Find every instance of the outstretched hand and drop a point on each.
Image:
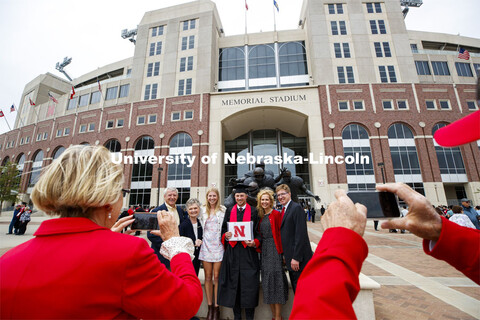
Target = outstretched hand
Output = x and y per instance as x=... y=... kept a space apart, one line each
x=343 y=213
x=422 y=220
x=122 y=224
x=168 y=227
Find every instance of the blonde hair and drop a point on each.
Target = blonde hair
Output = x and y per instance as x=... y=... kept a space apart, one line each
x=261 y=211
x=207 y=204
x=283 y=187
x=81 y=179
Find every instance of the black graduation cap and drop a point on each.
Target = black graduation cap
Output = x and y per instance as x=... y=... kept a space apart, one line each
x=241 y=188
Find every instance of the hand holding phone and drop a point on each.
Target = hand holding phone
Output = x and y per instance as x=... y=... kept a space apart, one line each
x=380 y=205
x=145 y=221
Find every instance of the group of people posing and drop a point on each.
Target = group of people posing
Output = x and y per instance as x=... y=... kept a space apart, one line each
x=232 y=269
x=94 y=271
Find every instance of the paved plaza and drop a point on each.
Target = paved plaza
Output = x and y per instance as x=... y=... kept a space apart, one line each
x=413 y=285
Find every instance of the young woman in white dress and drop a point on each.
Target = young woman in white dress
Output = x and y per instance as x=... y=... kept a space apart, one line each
x=211 y=251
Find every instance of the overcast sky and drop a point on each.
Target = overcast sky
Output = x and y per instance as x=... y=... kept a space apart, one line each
x=39 y=33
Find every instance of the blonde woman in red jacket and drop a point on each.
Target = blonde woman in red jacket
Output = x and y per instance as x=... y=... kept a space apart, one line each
x=274 y=280
x=77 y=268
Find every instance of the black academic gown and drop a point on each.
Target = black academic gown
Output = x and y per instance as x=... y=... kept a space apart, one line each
x=239 y=265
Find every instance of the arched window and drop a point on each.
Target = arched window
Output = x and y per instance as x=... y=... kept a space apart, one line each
x=58 y=152
x=406 y=166
x=293 y=59
x=36 y=168
x=179 y=174
x=450 y=161
x=142 y=173
x=360 y=176
x=113 y=145
x=5 y=160
x=231 y=64
x=20 y=163
x=261 y=62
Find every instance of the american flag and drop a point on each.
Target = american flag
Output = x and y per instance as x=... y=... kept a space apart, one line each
x=12 y=108
x=463 y=54
x=31 y=102
x=52 y=97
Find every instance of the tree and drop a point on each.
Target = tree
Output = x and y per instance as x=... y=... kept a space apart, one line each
x=9 y=183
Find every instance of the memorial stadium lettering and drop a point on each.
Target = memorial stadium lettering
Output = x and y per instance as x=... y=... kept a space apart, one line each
x=262 y=100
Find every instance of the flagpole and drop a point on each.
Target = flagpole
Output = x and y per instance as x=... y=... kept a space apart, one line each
x=274 y=19
x=4 y=116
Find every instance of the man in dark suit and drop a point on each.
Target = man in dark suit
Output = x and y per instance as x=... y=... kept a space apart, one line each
x=294 y=234
x=170 y=196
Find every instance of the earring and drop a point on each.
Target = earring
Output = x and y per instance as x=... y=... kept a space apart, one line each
x=109 y=215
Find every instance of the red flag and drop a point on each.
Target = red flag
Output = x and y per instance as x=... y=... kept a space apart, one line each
x=31 y=102
x=463 y=54
x=1 y=114
x=246 y=5
x=99 y=86
x=72 y=93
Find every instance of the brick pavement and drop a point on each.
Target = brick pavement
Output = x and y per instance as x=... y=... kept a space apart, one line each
x=398 y=299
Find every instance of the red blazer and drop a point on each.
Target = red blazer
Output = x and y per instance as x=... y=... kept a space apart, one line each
x=275 y=221
x=458 y=246
x=76 y=269
x=329 y=283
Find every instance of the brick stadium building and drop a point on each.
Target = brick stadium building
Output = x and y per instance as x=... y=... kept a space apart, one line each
x=350 y=79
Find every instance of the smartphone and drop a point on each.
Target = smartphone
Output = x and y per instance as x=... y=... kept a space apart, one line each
x=380 y=205
x=145 y=221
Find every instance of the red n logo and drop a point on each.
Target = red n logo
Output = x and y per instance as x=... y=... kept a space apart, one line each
x=239 y=230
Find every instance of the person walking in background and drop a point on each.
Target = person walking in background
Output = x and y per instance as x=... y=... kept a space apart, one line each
x=313 y=212
x=170 y=196
x=322 y=210
x=23 y=220
x=192 y=228
x=274 y=280
x=211 y=251
x=11 y=227
x=470 y=212
x=294 y=235
x=461 y=218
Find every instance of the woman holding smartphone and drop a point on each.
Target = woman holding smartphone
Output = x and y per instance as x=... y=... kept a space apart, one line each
x=211 y=251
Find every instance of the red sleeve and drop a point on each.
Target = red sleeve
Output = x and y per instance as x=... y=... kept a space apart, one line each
x=153 y=292
x=458 y=246
x=329 y=283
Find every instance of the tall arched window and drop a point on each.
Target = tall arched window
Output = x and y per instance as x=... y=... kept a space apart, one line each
x=232 y=64
x=5 y=160
x=113 y=145
x=36 y=169
x=406 y=166
x=359 y=176
x=179 y=174
x=58 y=152
x=292 y=59
x=142 y=173
x=450 y=161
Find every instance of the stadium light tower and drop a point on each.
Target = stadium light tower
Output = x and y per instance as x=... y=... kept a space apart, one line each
x=409 y=3
x=129 y=34
x=60 y=66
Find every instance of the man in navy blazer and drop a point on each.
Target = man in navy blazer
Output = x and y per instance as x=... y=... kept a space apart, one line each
x=170 y=196
x=293 y=232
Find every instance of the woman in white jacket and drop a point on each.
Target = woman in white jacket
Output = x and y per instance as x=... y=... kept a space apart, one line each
x=211 y=251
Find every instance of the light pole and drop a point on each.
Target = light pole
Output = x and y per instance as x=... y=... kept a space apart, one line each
x=382 y=166
x=159 y=175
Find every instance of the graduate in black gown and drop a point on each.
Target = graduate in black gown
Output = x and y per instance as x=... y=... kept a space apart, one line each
x=239 y=279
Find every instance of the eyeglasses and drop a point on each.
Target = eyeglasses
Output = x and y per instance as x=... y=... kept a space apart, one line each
x=124 y=192
x=282 y=194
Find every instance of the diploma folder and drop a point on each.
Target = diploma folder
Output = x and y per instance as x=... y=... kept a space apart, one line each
x=241 y=231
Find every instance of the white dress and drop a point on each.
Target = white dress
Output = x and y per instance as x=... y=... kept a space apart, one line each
x=212 y=248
